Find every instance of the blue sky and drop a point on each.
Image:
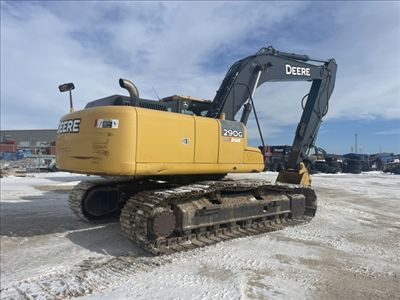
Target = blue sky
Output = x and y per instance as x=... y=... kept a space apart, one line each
x=186 y=48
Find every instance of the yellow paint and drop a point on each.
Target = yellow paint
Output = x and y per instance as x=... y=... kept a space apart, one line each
x=99 y=150
x=150 y=142
x=252 y=156
x=231 y=148
x=207 y=140
x=301 y=176
x=164 y=137
x=180 y=169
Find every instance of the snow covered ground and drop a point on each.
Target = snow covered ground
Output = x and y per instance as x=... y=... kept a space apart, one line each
x=350 y=250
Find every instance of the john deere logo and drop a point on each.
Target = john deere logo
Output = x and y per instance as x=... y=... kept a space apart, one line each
x=299 y=71
x=69 y=126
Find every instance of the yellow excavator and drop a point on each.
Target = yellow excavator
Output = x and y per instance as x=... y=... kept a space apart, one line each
x=162 y=164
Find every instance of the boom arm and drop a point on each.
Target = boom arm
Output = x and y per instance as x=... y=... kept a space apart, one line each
x=268 y=64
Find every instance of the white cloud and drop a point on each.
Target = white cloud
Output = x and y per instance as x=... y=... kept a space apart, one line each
x=394 y=131
x=183 y=48
x=161 y=45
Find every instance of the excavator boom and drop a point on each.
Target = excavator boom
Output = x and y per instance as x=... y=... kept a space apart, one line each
x=266 y=65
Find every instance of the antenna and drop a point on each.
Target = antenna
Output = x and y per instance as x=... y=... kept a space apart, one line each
x=355 y=144
x=155 y=92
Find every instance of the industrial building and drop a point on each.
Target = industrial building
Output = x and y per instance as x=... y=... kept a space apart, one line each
x=28 y=140
x=29 y=136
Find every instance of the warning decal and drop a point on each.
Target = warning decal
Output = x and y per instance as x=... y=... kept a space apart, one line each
x=106 y=123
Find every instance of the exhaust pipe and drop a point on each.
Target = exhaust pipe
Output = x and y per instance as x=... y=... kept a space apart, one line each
x=128 y=85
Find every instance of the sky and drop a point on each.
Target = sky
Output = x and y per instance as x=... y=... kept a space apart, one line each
x=186 y=48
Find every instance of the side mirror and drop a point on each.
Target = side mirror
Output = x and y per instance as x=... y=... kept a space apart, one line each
x=66 y=87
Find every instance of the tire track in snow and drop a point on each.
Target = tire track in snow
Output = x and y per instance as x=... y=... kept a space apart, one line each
x=92 y=275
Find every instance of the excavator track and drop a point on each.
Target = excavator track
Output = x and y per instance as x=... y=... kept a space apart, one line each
x=76 y=197
x=109 y=211
x=90 y=194
x=151 y=218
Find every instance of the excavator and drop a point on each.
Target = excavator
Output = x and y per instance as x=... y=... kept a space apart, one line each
x=162 y=164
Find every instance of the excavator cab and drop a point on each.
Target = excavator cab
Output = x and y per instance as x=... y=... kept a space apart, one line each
x=187 y=105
